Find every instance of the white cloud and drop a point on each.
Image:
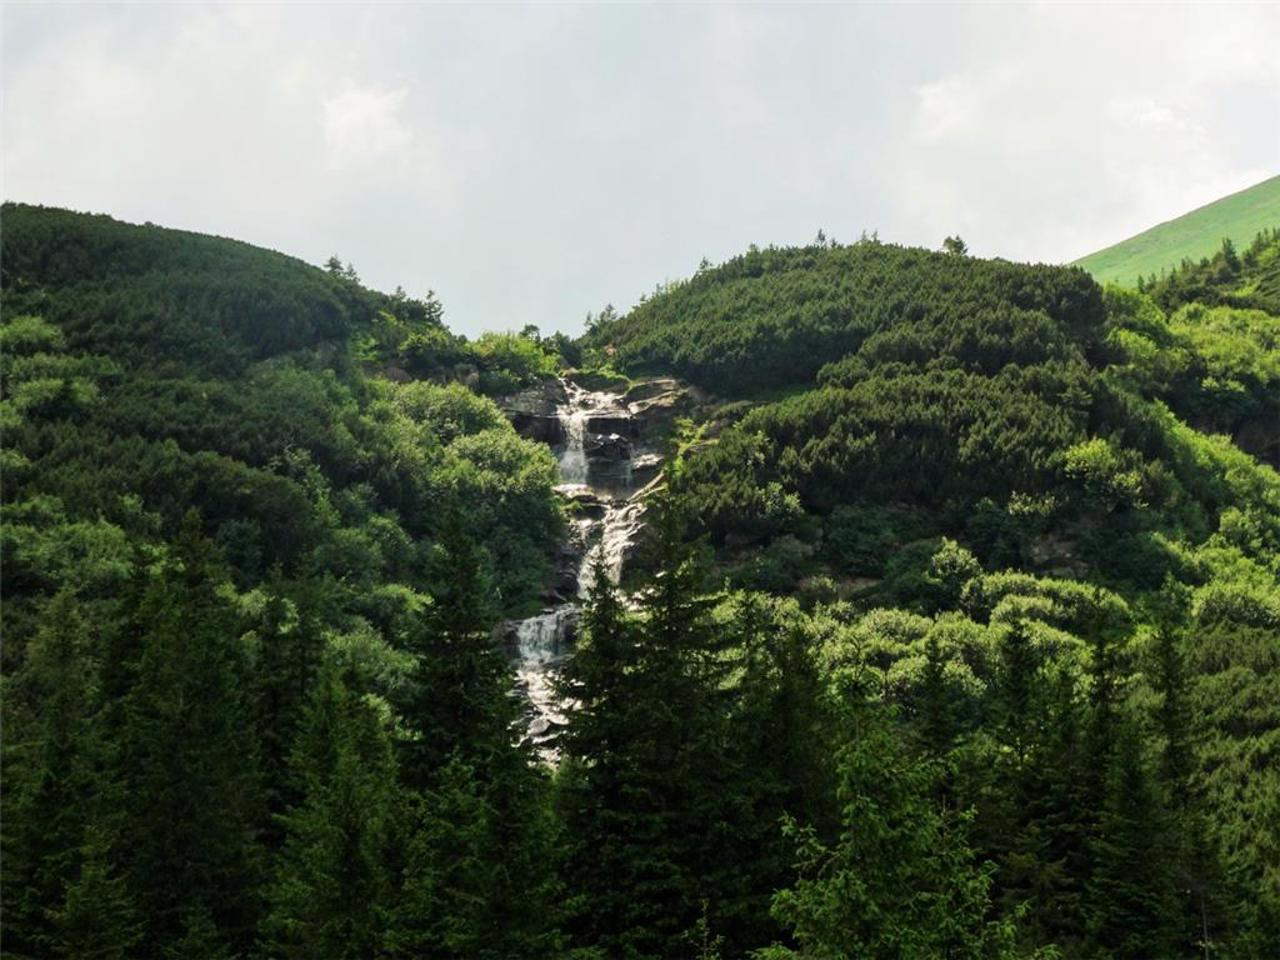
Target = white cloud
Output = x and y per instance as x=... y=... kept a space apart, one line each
x=1034 y=153
x=363 y=124
x=593 y=150
x=946 y=106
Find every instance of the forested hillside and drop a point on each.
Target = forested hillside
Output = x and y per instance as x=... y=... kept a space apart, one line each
x=772 y=318
x=1011 y=503
x=954 y=631
x=239 y=573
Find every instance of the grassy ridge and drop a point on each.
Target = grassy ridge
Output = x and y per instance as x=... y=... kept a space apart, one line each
x=1193 y=235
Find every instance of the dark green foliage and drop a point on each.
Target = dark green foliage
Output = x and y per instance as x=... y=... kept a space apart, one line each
x=159 y=660
x=170 y=299
x=96 y=918
x=643 y=791
x=186 y=757
x=1233 y=700
x=772 y=318
x=1131 y=894
x=1250 y=280
x=53 y=780
x=333 y=890
x=901 y=880
x=1022 y=702
x=456 y=695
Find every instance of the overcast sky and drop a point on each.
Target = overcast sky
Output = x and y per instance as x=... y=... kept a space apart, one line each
x=531 y=163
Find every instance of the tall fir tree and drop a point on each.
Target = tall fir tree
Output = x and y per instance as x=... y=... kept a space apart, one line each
x=647 y=811
x=54 y=783
x=334 y=887
x=456 y=702
x=778 y=759
x=287 y=645
x=462 y=717
x=187 y=757
x=1132 y=898
x=96 y=918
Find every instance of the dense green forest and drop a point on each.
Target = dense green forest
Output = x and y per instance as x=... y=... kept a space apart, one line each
x=955 y=630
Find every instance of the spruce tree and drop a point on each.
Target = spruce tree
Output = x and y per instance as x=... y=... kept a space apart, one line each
x=462 y=716
x=187 y=759
x=648 y=813
x=289 y=645
x=594 y=779
x=778 y=761
x=1198 y=871
x=96 y=918
x=901 y=881
x=333 y=890
x=441 y=912
x=457 y=701
x=937 y=714
x=54 y=779
x=1132 y=898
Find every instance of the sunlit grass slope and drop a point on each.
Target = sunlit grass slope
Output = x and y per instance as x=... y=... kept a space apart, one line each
x=1196 y=234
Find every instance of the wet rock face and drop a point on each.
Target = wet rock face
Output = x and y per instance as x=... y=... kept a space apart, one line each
x=645 y=467
x=533 y=426
x=619 y=424
x=640 y=413
x=648 y=389
x=607 y=446
x=583 y=502
x=543 y=399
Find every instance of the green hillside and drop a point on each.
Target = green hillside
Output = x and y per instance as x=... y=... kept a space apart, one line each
x=770 y=319
x=924 y=446
x=952 y=631
x=1197 y=234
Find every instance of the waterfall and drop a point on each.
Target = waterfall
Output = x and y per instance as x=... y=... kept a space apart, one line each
x=617 y=530
x=573 y=460
x=541 y=643
x=591 y=470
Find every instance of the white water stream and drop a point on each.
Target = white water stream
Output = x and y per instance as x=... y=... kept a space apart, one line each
x=544 y=641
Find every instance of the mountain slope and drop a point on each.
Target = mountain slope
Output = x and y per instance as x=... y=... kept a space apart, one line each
x=1238 y=217
x=147 y=371
x=770 y=319
x=956 y=589
x=925 y=446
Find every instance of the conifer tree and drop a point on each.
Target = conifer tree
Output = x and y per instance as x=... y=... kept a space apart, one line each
x=441 y=909
x=648 y=812
x=187 y=759
x=901 y=880
x=457 y=702
x=1032 y=821
x=332 y=894
x=1131 y=893
x=54 y=781
x=779 y=762
x=1198 y=872
x=289 y=647
x=463 y=717
x=95 y=919
x=593 y=781
x=937 y=715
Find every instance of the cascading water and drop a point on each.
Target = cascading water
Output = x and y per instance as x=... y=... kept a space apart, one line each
x=618 y=528
x=596 y=467
x=573 y=459
x=540 y=645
